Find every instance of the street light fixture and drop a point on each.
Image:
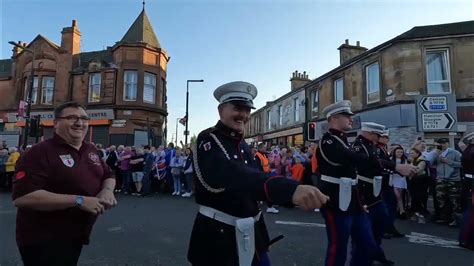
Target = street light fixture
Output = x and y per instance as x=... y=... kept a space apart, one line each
x=186 y=132
x=176 y=140
x=29 y=93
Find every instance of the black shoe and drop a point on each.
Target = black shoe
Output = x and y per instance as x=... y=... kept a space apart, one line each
x=385 y=261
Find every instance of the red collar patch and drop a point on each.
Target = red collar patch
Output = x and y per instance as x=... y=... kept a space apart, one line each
x=20 y=175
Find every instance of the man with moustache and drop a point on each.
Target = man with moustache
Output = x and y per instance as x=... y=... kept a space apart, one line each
x=61 y=185
x=344 y=214
x=229 y=228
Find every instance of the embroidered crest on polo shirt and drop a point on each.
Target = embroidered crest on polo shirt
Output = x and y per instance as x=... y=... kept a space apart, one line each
x=95 y=158
x=67 y=160
x=19 y=175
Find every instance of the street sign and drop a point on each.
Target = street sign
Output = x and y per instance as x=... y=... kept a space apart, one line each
x=118 y=125
x=437 y=121
x=434 y=103
x=186 y=132
x=436 y=113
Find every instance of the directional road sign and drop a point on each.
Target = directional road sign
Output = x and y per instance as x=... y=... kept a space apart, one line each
x=436 y=113
x=437 y=121
x=434 y=103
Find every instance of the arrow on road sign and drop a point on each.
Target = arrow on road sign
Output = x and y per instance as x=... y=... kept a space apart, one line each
x=434 y=103
x=437 y=121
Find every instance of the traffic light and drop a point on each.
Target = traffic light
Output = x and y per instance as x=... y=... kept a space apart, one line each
x=311 y=131
x=35 y=129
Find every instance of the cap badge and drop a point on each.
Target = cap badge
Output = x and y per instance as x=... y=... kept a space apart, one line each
x=249 y=89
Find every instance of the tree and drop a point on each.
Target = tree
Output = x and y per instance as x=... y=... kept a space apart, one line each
x=193 y=139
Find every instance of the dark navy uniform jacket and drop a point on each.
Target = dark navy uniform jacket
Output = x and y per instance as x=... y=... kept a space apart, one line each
x=232 y=183
x=377 y=166
x=364 y=146
x=346 y=160
x=382 y=154
x=467 y=162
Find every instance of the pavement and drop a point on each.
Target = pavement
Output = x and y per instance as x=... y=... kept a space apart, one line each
x=156 y=230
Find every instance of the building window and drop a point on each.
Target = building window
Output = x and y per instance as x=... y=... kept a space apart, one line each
x=130 y=85
x=34 y=92
x=296 y=109
x=47 y=88
x=94 y=87
x=149 y=89
x=257 y=125
x=314 y=103
x=372 y=73
x=437 y=69
x=338 y=90
x=280 y=115
x=163 y=87
x=269 y=122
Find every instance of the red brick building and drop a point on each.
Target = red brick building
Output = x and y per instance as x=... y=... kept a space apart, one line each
x=122 y=87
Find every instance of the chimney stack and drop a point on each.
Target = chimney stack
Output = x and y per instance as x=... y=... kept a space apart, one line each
x=298 y=79
x=347 y=51
x=71 y=39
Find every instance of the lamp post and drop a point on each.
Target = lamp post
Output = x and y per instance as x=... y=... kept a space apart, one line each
x=29 y=94
x=176 y=140
x=186 y=132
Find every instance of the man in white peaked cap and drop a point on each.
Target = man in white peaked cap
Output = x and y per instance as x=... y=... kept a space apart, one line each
x=229 y=228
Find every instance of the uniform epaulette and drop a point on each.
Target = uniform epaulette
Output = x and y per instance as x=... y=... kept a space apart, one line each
x=207 y=131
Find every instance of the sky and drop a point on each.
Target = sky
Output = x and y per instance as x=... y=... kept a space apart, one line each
x=259 y=41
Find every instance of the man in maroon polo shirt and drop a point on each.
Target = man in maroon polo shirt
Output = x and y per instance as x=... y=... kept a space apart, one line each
x=60 y=187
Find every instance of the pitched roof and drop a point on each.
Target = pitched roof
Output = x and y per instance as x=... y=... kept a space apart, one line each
x=5 y=68
x=141 y=31
x=103 y=56
x=458 y=28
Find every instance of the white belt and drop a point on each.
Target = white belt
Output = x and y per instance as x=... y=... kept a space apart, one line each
x=335 y=180
x=222 y=216
x=469 y=176
x=365 y=179
x=244 y=231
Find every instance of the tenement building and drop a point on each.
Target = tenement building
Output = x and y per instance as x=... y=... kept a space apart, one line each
x=123 y=87
x=387 y=83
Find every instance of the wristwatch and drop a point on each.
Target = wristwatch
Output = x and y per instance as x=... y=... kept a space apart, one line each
x=79 y=201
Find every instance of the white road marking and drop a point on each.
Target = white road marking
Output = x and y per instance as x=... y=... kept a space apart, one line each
x=414 y=237
x=431 y=240
x=301 y=224
x=114 y=229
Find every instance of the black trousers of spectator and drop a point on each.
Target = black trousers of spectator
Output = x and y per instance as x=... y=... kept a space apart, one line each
x=51 y=254
x=419 y=193
x=3 y=180
x=118 y=178
x=9 y=180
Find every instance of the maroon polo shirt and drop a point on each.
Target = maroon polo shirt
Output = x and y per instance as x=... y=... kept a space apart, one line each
x=57 y=167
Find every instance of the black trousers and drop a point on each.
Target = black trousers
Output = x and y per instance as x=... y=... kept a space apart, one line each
x=51 y=254
x=419 y=192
